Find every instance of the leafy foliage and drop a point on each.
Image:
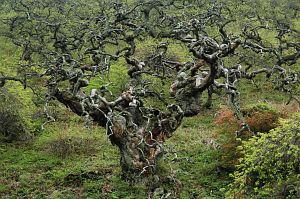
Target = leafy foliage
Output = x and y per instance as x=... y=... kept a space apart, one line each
x=12 y=125
x=270 y=166
x=260 y=117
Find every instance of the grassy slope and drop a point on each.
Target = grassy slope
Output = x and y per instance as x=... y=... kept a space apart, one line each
x=40 y=168
x=69 y=161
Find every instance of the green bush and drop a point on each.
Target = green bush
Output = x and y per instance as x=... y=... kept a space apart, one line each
x=258 y=107
x=12 y=125
x=270 y=166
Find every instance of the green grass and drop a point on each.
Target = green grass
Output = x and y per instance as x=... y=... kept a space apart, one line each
x=32 y=170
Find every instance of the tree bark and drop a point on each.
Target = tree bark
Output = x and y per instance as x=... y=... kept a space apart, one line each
x=139 y=132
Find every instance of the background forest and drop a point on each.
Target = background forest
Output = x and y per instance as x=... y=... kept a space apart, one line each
x=149 y=99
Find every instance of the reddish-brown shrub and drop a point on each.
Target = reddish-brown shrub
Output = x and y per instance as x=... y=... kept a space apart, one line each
x=262 y=121
x=228 y=124
x=260 y=118
x=226 y=119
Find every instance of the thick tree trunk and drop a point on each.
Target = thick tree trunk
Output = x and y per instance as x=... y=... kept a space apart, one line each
x=189 y=86
x=140 y=138
x=190 y=102
x=139 y=132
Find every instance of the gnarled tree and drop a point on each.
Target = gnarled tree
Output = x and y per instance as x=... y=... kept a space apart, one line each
x=70 y=43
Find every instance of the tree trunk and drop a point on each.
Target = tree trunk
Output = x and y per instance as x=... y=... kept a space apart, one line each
x=190 y=102
x=140 y=137
x=139 y=132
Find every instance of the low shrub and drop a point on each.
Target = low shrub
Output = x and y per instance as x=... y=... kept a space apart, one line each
x=260 y=117
x=229 y=124
x=226 y=119
x=12 y=124
x=270 y=167
x=262 y=121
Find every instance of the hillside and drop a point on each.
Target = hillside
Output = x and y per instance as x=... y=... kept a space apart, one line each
x=177 y=108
